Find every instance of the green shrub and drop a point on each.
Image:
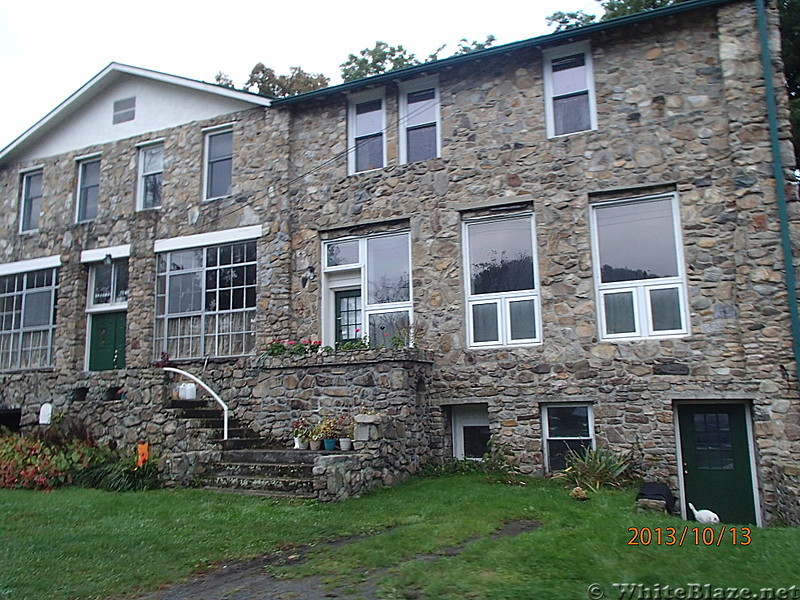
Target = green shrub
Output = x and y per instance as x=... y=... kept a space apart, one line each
x=120 y=476
x=598 y=468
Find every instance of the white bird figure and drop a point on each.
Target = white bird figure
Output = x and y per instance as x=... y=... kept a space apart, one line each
x=704 y=516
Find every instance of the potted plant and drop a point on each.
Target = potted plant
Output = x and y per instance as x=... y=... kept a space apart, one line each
x=301 y=430
x=315 y=437
x=329 y=429
x=346 y=426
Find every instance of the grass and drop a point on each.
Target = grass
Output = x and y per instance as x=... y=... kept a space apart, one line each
x=76 y=543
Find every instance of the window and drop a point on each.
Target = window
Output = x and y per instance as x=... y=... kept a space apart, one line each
x=368 y=280
x=27 y=319
x=502 y=287
x=366 y=122
x=124 y=110
x=206 y=301
x=419 y=120
x=566 y=427
x=569 y=89
x=88 y=189
x=31 y=205
x=151 y=166
x=219 y=164
x=638 y=262
x=107 y=305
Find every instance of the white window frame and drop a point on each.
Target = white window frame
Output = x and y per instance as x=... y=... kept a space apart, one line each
x=355 y=276
x=142 y=174
x=408 y=87
x=163 y=316
x=112 y=306
x=548 y=56
x=546 y=427
x=25 y=199
x=641 y=288
x=502 y=299
x=209 y=133
x=18 y=332
x=352 y=101
x=82 y=162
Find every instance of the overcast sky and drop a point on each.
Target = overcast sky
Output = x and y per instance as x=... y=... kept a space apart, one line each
x=49 y=48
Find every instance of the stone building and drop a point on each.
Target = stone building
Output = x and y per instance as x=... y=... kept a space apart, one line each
x=581 y=239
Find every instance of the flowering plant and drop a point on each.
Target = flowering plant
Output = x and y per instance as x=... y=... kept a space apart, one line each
x=328 y=428
x=346 y=425
x=293 y=348
x=300 y=428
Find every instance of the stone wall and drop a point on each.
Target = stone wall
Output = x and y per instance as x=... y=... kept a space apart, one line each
x=787 y=493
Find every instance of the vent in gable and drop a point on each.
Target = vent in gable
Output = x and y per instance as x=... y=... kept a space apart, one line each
x=124 y=110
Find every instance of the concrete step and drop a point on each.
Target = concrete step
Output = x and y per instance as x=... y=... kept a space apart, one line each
x=265 y=494
x=199 y=413
x=289 y=485
x=269 y=456
x=189 y=404
x=248 y=469
x=241 y=443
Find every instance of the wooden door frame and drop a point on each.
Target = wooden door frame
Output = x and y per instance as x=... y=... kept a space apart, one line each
x=754 y=473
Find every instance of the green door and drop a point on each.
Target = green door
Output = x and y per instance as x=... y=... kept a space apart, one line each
x=348 y=316
x=717 y=470
x=107 y=341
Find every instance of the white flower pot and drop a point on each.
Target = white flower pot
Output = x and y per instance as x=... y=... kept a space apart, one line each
x=345 y=444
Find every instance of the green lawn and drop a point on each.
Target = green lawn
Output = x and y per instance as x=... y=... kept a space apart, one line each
x=76 y=543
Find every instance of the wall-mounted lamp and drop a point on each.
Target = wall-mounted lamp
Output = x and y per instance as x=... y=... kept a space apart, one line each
x=107 y=260
x=309 y=275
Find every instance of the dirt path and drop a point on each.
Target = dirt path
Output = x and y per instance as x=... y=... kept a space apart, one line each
x=251 y=581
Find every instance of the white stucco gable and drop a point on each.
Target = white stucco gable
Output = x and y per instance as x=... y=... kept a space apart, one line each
x=161 y=101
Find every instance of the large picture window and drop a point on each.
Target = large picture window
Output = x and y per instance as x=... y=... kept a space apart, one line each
x=27 y=319
x=566 y=427
x=641 y=287
x=366 y=122
x=502 y=288
x=569 y=89
x=206 y=301
x=369 y=283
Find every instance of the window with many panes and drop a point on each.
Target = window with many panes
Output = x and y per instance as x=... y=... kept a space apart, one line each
x=206 y=301
x=569 y=89
x=566 y=427
x=31 y=202
x=638 y=265
x=151 y=167
x=88 y=189
x=366 y=122
x=368 y=284
x=502 y=287
x=419 y=120
x=108 y=284
x=27 y=319
x=219 y=164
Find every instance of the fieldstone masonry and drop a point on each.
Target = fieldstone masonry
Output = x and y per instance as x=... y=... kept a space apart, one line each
x=680 y=108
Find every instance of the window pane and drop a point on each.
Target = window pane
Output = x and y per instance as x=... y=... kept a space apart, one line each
x=88 y=204
x=90 y=174
x=383 y=326
x=421 y=108
x=151 y=197
x=388 y=269
x=121 y=283
x=501 y=256
x=369 y=117
x=476 y=440
x=369 y=153
x=568 y=421
x=342 y=253
x=32 y=201
x=421 y=143
x=619 y=313
x=484 y=323
x=557 y=451
x=713 y=443
x=152 y=159
x=571 y=114
x=220 y=146
x=38 y=309
x=665 y=307
x=569 y=74
x=523 y=319
x=185 y=293
x=185 y=259
x=636 y=241
x=102 y=284
x=219 y=178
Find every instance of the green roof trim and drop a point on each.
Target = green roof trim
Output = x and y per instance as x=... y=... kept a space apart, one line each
x=542 y=40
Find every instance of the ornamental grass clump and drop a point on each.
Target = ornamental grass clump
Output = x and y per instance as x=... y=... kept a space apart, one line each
x=599 y=467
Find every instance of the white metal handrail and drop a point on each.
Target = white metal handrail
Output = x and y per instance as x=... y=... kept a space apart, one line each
x=216 y=397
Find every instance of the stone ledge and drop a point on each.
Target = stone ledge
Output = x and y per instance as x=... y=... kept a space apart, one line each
x=347 y=357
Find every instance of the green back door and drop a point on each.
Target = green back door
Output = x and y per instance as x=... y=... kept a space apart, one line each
x=107 y=341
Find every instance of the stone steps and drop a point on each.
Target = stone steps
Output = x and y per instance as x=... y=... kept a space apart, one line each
x=267 y=472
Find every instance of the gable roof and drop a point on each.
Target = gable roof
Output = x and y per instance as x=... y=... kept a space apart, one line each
x=549 y=39
x=105 y=79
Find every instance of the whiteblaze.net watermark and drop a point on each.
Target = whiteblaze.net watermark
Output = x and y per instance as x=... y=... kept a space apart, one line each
x=689 y=591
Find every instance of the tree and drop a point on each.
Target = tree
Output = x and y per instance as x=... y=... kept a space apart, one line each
x=790 y=50
x=222 y=79
x=266 y=82
x=383 y=58
x=611 y=10
x=569 y=20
